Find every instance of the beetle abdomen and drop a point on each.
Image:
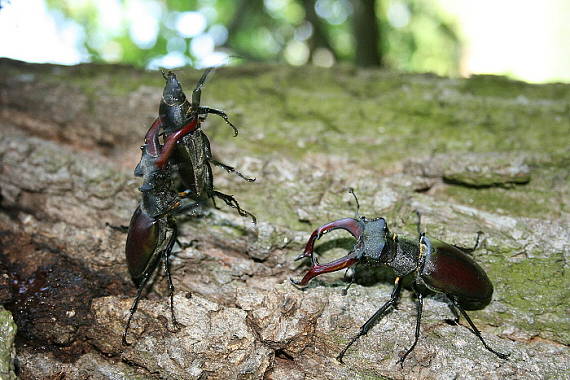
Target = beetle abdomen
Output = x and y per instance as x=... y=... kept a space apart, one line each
x=142 y=242
x=448 y=270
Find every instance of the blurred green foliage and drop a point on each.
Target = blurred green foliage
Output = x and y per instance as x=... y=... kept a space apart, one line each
x=414 y=35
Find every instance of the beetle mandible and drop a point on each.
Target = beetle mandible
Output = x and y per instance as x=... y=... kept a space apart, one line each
x=436 y=266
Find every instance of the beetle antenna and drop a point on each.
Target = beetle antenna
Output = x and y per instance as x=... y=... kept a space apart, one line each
x=419 y=222
x=357 y=214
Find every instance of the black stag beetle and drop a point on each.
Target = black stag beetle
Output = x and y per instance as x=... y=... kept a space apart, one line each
x=437 y=267
x=152 y=230
x=187 y=146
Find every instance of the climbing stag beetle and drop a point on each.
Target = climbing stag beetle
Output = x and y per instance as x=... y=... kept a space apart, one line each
x=435 y=266
x=186 y=151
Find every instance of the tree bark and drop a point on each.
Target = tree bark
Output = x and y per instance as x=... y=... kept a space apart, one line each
x=466 y=153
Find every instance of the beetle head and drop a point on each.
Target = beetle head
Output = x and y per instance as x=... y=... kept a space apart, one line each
x=373 y=241
x=354 y=226
x=172 y=94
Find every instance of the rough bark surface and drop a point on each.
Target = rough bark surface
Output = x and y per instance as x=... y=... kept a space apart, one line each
x=484 y=154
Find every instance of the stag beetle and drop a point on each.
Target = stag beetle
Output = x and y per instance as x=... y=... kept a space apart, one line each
x=152 y=231
x=187 y=146
x=436 y=267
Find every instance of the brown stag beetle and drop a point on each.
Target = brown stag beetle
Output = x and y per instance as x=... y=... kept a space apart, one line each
x=437 y=267
x=152 y=231
x=187 y=146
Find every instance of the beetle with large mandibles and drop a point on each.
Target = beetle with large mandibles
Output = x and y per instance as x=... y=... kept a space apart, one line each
x=152 y=230
x=187 y=146
x=436 y=267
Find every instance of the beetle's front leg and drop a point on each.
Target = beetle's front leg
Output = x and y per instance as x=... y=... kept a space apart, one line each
x=419 y=307
x=202 y=110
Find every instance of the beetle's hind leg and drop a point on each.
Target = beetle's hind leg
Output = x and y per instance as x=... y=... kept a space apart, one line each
x=380 y=313
x=475 y=330
x=206 y=110
x=120 y=228
x=477 y=244
x=166 y=255
x=455 y=320
x=145 y=277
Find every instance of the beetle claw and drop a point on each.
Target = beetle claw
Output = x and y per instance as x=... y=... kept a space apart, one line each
x=296 y=283
x=124 y=340
x=301 y=256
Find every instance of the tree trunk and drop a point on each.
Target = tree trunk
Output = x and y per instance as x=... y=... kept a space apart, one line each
x=482 y=154
x=367 y=34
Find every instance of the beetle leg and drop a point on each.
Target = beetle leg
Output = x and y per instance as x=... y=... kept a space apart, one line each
x=475 y=330
x=209 y=178
x=123 y=229
x=354 y=226
x=145 y=278
x=375 y=318
x=352 y=274
x=233 y=203
x=166 y=254
x=220 y=113
x=419 y=307
x=184 y=204
x=477 y=244
x=197 y=92
x=230 y=169
x=227 y=168
x=419 y=222
x=455 y=313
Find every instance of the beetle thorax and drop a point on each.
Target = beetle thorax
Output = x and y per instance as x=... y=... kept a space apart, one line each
x=405 y=255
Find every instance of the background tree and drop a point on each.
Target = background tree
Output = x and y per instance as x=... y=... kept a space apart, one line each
x=406 y=35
